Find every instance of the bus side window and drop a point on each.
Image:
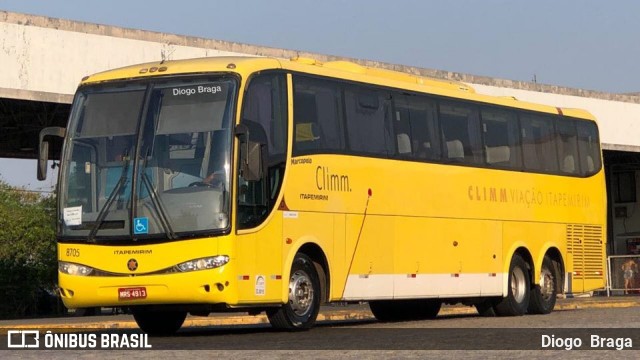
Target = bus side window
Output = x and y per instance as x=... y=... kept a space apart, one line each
x=589 y=147
x=460 y=124
x=307 y=131
x=538 y=143
x=329 y=118
x=568 y=146
x=316 y=116
x=414 y=123
x=402 y=128
x=368 y=122
x=501 y=140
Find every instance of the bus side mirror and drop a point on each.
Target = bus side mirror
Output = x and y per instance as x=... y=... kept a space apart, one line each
x=251 y=168
x=43 y=148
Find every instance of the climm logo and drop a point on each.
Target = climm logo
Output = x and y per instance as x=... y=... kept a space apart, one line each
x=527 y=197
x=481 y=193
x=327 y=181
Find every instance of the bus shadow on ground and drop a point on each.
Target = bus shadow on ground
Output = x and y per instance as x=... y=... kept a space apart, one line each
x=223 y=330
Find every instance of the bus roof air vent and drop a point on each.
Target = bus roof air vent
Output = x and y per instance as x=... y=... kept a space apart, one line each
x=346 y=66
x=305 y=60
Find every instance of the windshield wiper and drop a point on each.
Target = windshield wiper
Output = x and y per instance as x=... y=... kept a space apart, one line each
x=112 y=196
x=155 y=199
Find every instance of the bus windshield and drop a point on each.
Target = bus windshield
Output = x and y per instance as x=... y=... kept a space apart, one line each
x=148 y=160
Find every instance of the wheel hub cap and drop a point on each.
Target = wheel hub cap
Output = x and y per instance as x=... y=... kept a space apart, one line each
x=300 y=293
x=546 y=284
x=518 y=284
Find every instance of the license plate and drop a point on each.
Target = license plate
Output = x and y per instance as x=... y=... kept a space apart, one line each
x=132 y=293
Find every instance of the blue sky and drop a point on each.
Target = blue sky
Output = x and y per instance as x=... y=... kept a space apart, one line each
x=585 y=44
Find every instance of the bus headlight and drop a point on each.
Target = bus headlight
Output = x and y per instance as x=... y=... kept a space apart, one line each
x=74 y=269
x=203 y=263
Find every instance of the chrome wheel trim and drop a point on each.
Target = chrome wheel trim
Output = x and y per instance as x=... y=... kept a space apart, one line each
x=518 y=285
x=547 y=284
x=300 y=293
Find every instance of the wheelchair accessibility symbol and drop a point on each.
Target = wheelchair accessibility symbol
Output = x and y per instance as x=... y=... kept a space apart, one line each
x=141 y=225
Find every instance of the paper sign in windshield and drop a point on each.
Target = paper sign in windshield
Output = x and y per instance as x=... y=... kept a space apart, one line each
x=72 y=215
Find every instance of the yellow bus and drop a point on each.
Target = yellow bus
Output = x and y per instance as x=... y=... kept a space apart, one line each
x=267 y=185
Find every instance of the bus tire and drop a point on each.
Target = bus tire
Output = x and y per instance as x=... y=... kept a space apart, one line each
x=486 y=307
x=159 y=323
x=543 y=295
x=517 y=300
x=301 y=311
x=384 y=310
x=402 y=310
x=427 y=309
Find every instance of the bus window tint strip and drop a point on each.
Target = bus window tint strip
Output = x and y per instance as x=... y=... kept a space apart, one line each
x=340 y=117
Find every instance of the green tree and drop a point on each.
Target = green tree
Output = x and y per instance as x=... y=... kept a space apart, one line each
x=28 y=263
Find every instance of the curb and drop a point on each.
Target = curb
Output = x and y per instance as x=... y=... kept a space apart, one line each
x=597 y=305
x=340 y=315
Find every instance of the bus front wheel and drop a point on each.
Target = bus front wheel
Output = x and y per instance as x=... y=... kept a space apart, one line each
x=543 y=295
x=301 y=311
x=517 y=300
x=159 y=323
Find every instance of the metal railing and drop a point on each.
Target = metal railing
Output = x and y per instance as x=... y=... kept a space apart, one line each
x=623 y=274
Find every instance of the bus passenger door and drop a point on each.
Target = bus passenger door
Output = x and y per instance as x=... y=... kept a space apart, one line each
x=259 y=240
x=259 y=258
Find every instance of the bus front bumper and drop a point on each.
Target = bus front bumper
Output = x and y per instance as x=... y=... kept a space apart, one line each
x=199 y=287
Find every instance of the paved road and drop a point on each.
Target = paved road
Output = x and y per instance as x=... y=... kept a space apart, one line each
x=327 y=313
x=356 y=338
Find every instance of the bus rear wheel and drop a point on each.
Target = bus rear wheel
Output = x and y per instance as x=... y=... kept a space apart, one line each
x=402 y=310
x=487 y=307
x=159 y=323
x=301 y=311
x=543 y=295
x=517 y=300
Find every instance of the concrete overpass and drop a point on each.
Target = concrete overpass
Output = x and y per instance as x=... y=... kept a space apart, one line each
x=42 y=59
